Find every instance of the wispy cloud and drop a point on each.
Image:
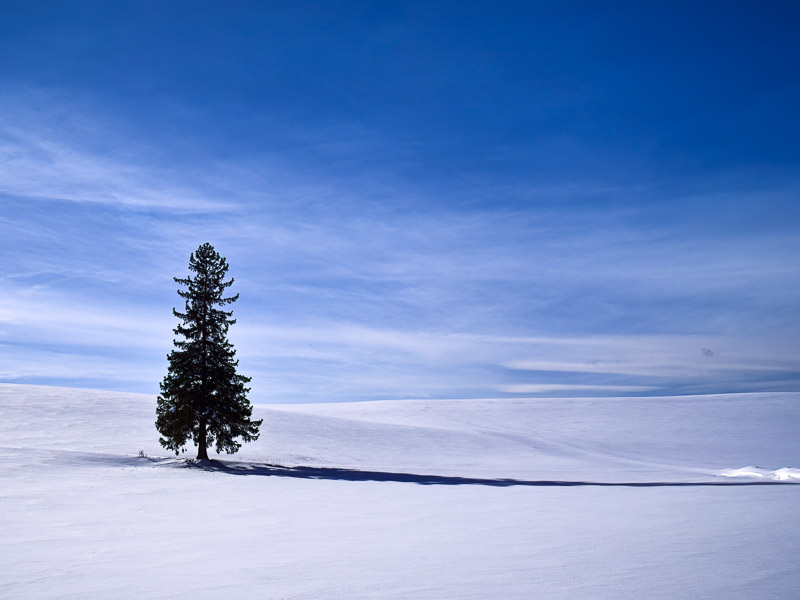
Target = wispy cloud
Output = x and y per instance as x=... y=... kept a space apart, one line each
x=66 y=151
x=362 y=283
x=547 y=388
x=50 y=332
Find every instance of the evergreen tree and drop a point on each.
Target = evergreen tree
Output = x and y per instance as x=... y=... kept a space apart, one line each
x=203 y=398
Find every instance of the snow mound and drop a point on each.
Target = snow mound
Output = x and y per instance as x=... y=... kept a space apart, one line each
x=784 y=474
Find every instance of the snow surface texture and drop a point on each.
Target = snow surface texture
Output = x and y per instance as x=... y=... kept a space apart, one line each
x=512 y=498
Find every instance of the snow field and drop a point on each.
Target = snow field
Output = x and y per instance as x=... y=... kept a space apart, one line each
x=589 y=498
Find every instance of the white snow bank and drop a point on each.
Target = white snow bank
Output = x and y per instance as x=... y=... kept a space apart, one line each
x=784 y=474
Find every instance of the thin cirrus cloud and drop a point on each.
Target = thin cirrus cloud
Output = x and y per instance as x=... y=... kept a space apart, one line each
x=358 y=287
x=37 y=166
x=338 y=360
x=57 y=338
x=546 y=388
x=66 y=147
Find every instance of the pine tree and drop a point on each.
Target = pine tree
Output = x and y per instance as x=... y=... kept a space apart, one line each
x=203 y=398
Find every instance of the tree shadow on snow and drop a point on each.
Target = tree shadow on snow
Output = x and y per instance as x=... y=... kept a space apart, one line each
x=338 y=474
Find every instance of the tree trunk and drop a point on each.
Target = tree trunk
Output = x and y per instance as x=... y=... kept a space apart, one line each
x=202 y=449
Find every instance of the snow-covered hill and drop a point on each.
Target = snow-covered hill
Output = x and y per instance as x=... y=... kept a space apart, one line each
x=511 y=498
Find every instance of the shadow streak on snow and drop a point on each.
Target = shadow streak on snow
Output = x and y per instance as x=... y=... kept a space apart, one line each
x=338 y=474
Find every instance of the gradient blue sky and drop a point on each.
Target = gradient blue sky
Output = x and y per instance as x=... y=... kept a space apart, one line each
x=417 y=199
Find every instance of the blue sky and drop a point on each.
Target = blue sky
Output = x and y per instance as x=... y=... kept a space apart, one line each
x=417 y=199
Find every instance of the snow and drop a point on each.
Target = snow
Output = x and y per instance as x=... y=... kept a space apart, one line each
x=783 y=474
x=498 y=498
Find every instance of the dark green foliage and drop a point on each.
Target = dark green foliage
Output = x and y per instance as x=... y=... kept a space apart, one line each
x=203 y=398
